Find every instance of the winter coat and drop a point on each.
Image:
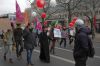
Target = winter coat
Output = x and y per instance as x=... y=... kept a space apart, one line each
x=18 y=34
x=81 y=43
x=8 y=38
x=63 y=34
x=29 y=39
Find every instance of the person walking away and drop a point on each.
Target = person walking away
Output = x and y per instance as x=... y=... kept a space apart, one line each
x=44 y=46
x=63 y=37
x=29 y=42
x=52 y=46
x=8 y=43
x=18 y=37
x=81 y=44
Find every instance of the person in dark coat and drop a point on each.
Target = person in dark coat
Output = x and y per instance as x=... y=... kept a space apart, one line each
x=44 y=47
x=81 y=44
x=18 y=37
x=52 y=46
x=29 y=42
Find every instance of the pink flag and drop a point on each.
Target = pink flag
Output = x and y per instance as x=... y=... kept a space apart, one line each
x=19 y=15
x=38 y=24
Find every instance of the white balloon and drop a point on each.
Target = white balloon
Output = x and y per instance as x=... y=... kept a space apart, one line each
x=34 y=14
x=53 y=3
x=31 y=1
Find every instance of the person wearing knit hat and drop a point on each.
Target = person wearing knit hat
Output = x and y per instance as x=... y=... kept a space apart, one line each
x=81 y=48
x=18 y=35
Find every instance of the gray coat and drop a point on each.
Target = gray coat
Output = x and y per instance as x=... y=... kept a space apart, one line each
x=29 y=39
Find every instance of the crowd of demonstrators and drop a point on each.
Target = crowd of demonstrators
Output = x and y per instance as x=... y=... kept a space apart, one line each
x=18 y=37
x=26 y=39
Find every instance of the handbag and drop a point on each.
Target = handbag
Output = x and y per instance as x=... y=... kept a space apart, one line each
x=91 y=51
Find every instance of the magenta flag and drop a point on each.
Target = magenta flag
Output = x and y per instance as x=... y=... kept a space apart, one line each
x=19 y=15
x=38 y=24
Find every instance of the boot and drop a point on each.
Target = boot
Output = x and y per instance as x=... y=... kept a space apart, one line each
x=10 y=60
x=5 y=57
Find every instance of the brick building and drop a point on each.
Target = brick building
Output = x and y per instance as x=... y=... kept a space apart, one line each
x=5 y=24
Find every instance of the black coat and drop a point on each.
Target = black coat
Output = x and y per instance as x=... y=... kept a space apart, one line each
x=29 y=39
x=44 y=47
x=81 y=43
x=18 y=34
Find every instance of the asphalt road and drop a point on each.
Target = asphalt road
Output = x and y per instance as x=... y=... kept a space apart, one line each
x=62 y=57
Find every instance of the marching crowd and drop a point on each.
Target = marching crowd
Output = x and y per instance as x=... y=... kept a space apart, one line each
x=27 y=39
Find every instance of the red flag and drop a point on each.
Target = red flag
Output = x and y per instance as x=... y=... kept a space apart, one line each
x=19 y=15
x=71 y=24
x=94 y=21
x=74 y=20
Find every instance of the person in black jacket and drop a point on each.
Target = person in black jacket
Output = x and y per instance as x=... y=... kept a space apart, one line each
x=44 y=46
x=18 y=37
x=81 y=44
x=29 y=42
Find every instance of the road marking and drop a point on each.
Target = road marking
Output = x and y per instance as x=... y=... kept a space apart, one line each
x=60 y=58
x=97 y=57
x=97 y=47
x=72 y=51
x=63 y=49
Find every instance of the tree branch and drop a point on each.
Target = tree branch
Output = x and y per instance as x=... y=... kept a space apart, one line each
x=76 y=5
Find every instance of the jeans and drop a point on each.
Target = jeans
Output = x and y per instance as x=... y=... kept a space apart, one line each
x=29 y=55
x=81 y=61
x=63 y=39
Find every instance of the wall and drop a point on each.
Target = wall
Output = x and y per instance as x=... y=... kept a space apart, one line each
x=4 y=24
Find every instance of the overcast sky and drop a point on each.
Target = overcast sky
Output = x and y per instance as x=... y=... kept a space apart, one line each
x=8 y=6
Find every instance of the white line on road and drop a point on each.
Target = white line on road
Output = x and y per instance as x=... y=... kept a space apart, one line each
x=63 y=49
x=97 y=57
x=72 y=51
x=97 y=47
x=60 y=58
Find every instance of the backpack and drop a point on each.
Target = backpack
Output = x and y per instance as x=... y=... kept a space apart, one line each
x=91 y=51
x=18 y=33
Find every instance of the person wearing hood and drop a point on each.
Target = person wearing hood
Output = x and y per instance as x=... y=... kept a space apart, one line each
x=29 y=42
x=44 y=46
x=18 y=35
x=81 y=48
